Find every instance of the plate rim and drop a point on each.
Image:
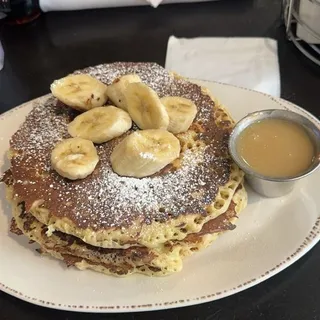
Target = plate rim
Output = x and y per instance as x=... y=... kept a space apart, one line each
x=308 y=243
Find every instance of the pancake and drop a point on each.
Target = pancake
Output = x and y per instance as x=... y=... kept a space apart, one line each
x=122 y=262
x=110 y=211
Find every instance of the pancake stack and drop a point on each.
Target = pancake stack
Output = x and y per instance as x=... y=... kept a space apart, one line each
x=119 y=224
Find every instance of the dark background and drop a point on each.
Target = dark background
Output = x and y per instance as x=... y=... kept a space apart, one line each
x=60 y=42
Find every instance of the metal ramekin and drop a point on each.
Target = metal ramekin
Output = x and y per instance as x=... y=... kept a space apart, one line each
x=269 y=186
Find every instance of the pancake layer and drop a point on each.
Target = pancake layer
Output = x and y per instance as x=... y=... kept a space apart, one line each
x=161 y=261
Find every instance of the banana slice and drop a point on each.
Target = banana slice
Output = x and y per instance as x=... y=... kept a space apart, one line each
x=144 y=153
x=181 y=112
x=81 y=92
x=145 y=108
x=100 y=124
x=74 y=158
x=117 y=89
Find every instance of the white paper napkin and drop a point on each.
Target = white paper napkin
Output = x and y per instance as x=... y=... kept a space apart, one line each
x=60 y=5
x=154 y=3
x=246 y=62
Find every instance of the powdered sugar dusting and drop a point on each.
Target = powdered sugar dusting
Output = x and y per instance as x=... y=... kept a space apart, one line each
x=155 y=77
x=105 y=199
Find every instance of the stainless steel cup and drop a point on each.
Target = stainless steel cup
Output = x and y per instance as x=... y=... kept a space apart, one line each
x=269 y=186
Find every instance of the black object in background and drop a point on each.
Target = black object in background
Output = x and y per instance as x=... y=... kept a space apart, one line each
x=20 y=11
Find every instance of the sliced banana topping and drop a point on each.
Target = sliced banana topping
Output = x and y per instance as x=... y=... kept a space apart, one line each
x=100 y=124
x=81 y=92
x=145 y=108
x=117 y=89
x=74 y=158
x=181 y=113
x=144 y=153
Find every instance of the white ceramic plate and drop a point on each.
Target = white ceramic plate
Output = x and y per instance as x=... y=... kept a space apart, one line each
x=271 y=234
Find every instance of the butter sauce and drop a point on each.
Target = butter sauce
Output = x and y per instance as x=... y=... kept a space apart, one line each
x=276 y=148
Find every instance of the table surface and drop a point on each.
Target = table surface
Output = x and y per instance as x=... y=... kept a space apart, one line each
x=60 y=42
